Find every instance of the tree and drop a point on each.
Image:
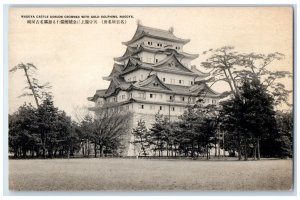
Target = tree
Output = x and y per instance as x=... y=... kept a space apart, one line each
x=283 y=140
x=250 y=117
x=232 y=67
x=23 y=131
x=189 y=134
x=37 y=90
x=86 y=134
x=109 y=129
x=45 y=128
x=197 y=128
x=141 y=137
x=47 y=117
x=159 y=133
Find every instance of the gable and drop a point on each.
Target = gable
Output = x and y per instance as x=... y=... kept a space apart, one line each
x=152 y=82
x=112 y=87
x=130 y=66
x=156 y=84
x=203 y=89
x=171 y=63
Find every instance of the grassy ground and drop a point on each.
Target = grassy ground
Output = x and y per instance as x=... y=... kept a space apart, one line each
x=151 y=175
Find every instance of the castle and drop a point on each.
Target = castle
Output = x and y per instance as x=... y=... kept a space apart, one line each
x=154 y=75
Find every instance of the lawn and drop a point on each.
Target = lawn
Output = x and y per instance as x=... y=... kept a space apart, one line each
x=148 y=175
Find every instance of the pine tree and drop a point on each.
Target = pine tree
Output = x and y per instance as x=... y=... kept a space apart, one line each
x=250 y=117
x=141 y=140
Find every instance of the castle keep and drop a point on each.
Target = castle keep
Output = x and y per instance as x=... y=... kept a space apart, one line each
x=153 y=75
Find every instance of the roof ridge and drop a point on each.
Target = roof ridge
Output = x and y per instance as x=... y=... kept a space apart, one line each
x=157 y=29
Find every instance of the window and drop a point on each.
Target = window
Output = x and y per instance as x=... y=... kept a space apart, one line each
x=182 y=98
x=171 y=97
x=152 y=96
x=152 y=107
x=142 y=106
x=149 y=43
x=148 y=60
x=155 y=84
x=164 y=79
x=173 y=108
x=156 y=60
x=141 y=95
x=179 y=81
x=160 y=107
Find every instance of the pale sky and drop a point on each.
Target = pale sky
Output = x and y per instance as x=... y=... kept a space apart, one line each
x=74 y=58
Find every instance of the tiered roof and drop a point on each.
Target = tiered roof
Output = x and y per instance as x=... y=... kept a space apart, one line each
x=153 y=83
x=131 y=51
x=171 y=64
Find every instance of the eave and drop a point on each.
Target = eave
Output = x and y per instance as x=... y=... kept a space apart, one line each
x=183 y=41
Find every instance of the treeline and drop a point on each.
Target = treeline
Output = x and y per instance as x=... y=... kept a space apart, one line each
x=47 y=132
x=244 y=125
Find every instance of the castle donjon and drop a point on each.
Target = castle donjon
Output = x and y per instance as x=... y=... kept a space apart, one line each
x=153 y=75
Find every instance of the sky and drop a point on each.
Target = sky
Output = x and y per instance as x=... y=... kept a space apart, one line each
x=75 y=57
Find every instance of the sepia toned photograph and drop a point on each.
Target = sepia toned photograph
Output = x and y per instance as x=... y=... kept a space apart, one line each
x=150 y=99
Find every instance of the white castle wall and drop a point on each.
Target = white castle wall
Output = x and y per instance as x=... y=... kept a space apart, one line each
x=141 y=74
x=154 y=42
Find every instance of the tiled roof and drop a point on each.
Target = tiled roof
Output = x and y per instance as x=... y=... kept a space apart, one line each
x=162 y=66
x=148 y=83
x=194 y=89
x=117 y=68
x=178 y=88
x=172 y=56
x=156 y=33
x=167 y=50
x=121 y=83
x=100 y=92
x=129 y=52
